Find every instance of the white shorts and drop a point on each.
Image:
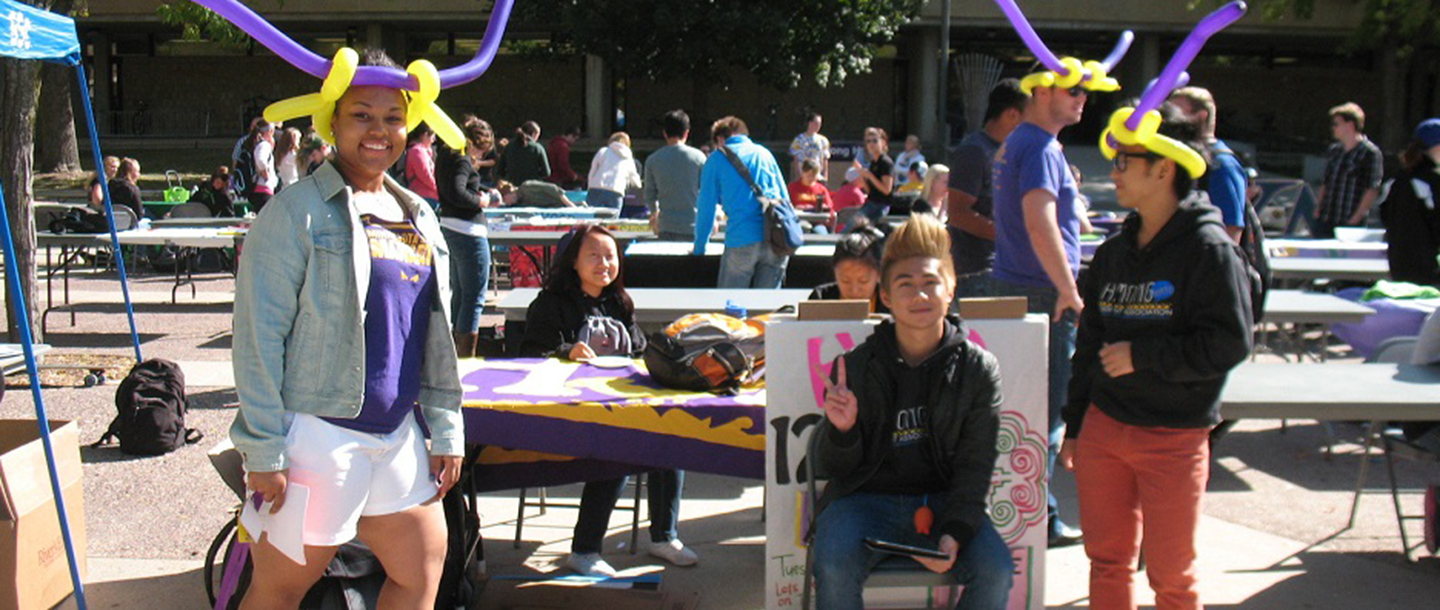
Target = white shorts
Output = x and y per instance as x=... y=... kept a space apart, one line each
x=353 y=474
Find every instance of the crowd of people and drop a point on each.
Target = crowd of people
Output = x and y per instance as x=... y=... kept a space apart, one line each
x=1139 y=346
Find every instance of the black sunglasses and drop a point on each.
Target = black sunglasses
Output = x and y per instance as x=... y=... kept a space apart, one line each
x=1075 y=91
x=1122 y=159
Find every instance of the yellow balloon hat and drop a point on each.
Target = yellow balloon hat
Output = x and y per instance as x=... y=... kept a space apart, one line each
x=320 y=107
x=1089 y=74
x=1147 y=135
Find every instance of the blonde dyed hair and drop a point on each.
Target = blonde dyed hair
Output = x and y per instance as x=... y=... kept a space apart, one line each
x=922 y=235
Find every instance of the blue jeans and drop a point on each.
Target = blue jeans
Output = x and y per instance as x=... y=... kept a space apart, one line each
x=469 y=274
x=598 y=498
x=1062 y=347
x=843 y=562
x=875 y=211
x=602 y=198
x=752 y=266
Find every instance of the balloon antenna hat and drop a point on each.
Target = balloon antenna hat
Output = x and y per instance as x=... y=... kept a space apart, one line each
x=420 y=81
x=1140 y=125
x=1064 y=72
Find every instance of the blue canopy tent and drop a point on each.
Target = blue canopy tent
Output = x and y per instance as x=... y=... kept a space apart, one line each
x=30 y=33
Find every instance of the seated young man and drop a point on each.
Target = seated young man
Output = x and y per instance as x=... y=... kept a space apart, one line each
x=910 y=426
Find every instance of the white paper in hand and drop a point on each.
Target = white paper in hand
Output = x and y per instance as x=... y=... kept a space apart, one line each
x=285 y=528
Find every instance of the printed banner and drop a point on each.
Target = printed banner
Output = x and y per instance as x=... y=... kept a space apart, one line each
x=27 y=32
x=1017 y=493
x=612 y=414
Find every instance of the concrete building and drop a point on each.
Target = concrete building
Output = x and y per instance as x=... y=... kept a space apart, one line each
x=1274 y=80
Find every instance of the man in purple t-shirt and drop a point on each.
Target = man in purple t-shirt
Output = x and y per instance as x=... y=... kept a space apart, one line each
x=1037 y=242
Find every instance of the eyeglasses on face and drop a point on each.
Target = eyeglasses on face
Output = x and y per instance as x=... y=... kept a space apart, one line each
x=1076 y=91
x=1122 y=159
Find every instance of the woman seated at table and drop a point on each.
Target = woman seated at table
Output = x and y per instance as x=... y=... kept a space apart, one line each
x=123 y=188
x=856 y=264
x=215 y=193
x=97 y=194
x=584 y=312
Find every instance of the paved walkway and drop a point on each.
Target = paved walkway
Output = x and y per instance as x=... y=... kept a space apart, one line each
x=1272 y=496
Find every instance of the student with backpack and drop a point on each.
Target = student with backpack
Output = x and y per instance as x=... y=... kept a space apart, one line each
x=1167 y=316
x=584 y=312
x=909 y=437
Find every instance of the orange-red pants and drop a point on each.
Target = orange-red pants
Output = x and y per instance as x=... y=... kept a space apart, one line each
x=1140 y=485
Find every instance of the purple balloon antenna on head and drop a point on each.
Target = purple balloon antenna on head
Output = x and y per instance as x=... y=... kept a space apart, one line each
x=1170 y=78
x=307 y=61
x=1043 y=54
x=1121 y=47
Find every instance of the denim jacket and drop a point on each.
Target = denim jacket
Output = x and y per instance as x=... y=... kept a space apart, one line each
x=299 y=342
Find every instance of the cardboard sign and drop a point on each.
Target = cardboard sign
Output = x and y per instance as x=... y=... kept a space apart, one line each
x=1017 y=495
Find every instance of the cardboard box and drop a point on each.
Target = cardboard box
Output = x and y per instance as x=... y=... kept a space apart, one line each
x=993 y=308
x=834 y=310
x=34 y=570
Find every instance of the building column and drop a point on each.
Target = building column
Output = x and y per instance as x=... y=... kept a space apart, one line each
x=598 y=98
x=1393 y=129
x=924 y=91
x=101 y=74
x=1136 y=73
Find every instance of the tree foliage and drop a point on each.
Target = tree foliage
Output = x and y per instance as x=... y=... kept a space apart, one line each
x=1410 y=25
x=781 y=42
x=199 y=23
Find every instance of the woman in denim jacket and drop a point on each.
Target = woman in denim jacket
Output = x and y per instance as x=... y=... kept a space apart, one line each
x=341 y=346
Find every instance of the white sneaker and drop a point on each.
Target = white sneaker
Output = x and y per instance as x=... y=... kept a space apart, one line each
x=674 y=552
x=590 y=564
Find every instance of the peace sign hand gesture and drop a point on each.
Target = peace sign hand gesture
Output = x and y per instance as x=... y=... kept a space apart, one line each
x=840 y=406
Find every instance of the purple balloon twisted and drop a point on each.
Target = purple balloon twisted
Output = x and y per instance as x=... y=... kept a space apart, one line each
x=1169 y=78
x=1031 y=39
x=1121 y=46
x=300 y=57
x=1042 y=53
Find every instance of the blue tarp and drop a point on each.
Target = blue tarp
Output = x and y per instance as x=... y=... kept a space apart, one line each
x=27 y=32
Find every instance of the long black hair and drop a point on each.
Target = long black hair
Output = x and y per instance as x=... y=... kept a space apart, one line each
x=564 y=278
x=862 y=243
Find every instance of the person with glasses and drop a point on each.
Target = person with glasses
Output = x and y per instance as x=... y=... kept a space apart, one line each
x=1168 y=315
x=1354 y=168
x=879 y=175
x=1037 y=242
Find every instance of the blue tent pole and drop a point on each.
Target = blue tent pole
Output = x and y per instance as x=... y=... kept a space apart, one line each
x=109 y=211
x=22 y=319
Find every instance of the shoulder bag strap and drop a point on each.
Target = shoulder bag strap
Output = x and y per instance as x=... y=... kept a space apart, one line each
x=740 y=167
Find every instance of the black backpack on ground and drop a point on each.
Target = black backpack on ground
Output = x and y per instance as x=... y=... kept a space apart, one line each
x=151 y=401
x=1252 y=240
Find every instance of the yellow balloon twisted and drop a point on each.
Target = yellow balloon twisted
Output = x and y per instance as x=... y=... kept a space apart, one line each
x=320 y=107
x=1090 y=75
x=1147 y=135
x=422 y=105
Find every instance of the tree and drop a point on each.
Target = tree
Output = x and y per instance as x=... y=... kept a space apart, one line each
x=1405 y=25
x=199 y=23
x=780 y=42
x=19 y=93
x=55 y=147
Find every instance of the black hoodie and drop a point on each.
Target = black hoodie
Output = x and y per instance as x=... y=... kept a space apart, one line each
x=1412 y=224
x=1183 y=302
x=959 y=387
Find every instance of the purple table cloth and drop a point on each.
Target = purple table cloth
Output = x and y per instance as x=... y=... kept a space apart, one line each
x=571 y=410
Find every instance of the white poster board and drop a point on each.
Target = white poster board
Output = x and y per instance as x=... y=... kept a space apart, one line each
x=1017 y=494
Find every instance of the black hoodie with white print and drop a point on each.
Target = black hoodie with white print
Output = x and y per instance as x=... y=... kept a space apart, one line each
x=1183 y=301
